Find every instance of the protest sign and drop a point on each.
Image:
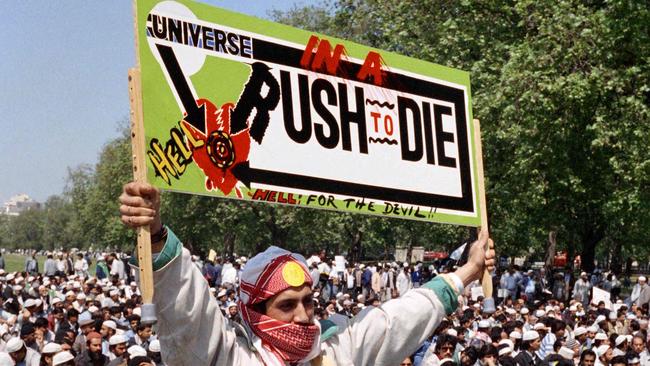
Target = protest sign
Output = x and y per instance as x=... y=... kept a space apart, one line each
x=598 y=295
x=238 y=107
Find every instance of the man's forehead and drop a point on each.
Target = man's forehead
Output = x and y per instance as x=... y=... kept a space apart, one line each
x=294 y=293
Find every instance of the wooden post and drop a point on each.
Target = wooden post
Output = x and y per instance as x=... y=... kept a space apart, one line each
x=140 y=175
x=486 y=282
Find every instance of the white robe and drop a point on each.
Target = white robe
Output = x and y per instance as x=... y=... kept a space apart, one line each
x=192 y=330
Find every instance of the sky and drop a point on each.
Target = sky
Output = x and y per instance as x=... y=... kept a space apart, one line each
x=63 y=71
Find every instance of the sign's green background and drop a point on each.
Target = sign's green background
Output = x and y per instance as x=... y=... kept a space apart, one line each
x=222 y=81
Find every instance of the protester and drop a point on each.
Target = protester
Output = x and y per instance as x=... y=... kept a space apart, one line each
x=277 y=305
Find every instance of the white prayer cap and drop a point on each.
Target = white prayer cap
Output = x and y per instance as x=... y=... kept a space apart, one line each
x=452 y=332
x=222 y=293
x=93 y=309
x=231 y=304
x=483 y=324
x=612 y=315
x=539 y=326
x=114 y=293
x=85 y=318
x=600 y=318
x=631 y=316
x=339 y=295
x=548 y=308
x=29 y=303
x=602 y=349
x=81 y=296
x=601 y=336
x=70 y=293
x=573 y=308
x=406 y=264
x=524 y=311
x=362 y=266
x=508 y=342
x=580 y=331
x=213 y=290
x=117 y=339
x=515 y=334
x=593 y=329
x=56 y=300
x=347 y=302
x=110 y=324
x=62 y=357
x=620 y=339
x=505 y=350
x=14 y=344
x=582 y=274
x=135 y=351
x=51 y=348
x=154 y=346
x=567 y=353
x=511 y=311
x=18 y=288
x=530 y=335
x=641 y=278
x=30 y=279
x=133 y=284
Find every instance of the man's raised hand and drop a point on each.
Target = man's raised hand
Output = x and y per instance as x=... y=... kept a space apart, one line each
x=140 y=206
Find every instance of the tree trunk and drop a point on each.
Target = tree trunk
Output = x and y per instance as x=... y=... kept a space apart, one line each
x=355 y=247
x=550 y=250
x=589 y=242
x=228 y=244
x=616 y=265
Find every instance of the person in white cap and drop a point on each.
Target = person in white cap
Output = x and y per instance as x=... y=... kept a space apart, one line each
x=276 y=302
x=644 y=292
x=107 y=330
x=21 y=354
x=64 y=358
x=117 y=347
x=48 y=352
x=404 y=280
x=529 y=346
x=581 y=289
x=154 y=353
x=605 y=354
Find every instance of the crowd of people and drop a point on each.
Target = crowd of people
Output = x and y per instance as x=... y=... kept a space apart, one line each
x=66 y=316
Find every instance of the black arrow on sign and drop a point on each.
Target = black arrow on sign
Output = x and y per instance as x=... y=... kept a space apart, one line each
x=242 y=172
x=195 y=115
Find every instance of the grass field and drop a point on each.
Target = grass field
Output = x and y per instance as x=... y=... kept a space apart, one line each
x=16 y=263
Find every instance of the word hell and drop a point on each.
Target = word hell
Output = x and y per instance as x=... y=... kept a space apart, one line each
x=172 y=160
x=273 y=196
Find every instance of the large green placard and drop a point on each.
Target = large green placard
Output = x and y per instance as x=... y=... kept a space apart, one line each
x=239 y=107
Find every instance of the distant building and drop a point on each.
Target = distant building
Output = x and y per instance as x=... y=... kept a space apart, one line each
x=18 y=204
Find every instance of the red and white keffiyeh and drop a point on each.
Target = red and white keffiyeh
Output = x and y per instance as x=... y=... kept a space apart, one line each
x=264 y=276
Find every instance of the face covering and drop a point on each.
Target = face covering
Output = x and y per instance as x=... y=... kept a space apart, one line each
x=289 y=342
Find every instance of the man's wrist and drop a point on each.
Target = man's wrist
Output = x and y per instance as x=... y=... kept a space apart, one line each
x=467 y=273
